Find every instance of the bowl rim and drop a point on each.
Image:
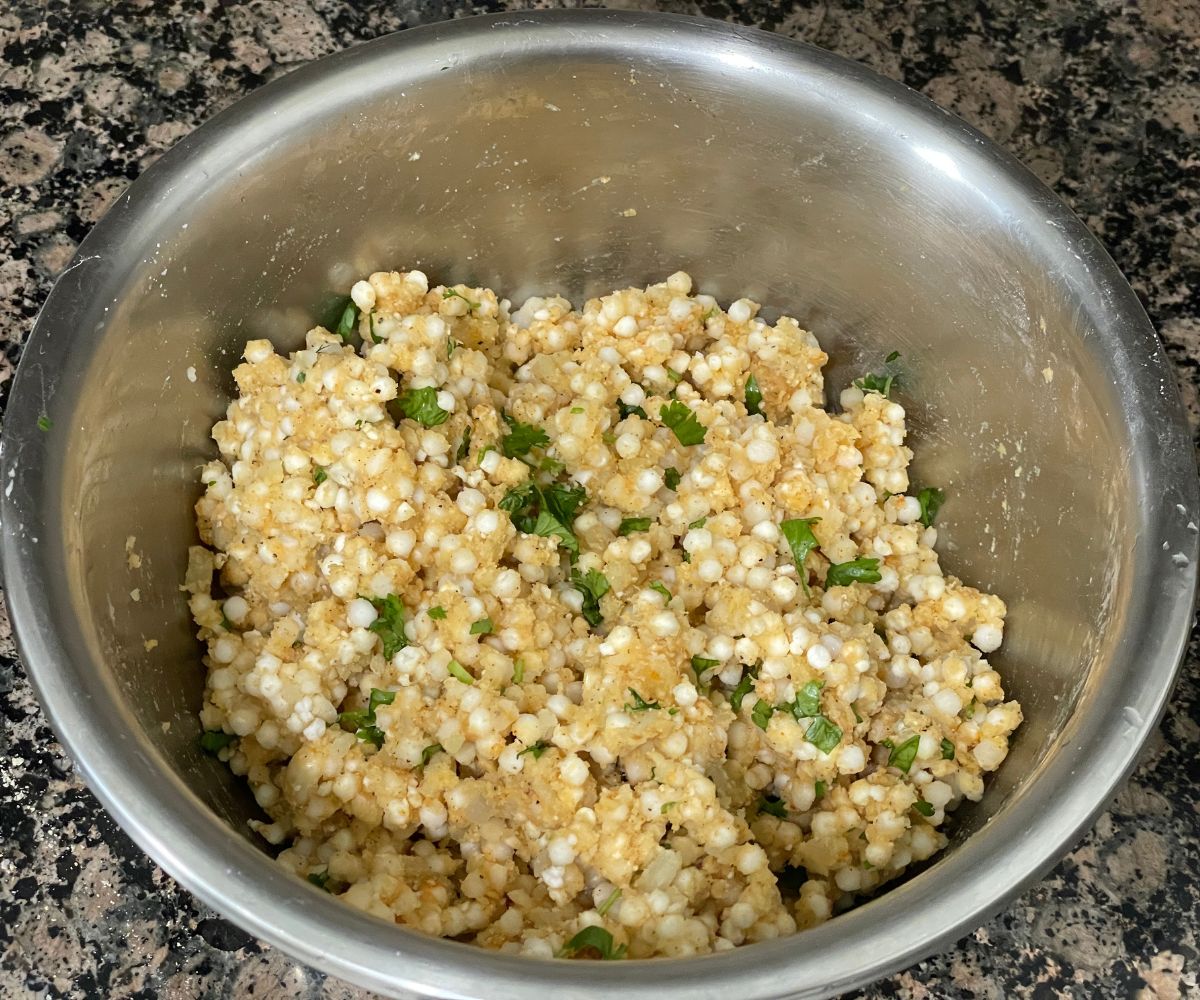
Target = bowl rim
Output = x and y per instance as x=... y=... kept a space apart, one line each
x=175 y=827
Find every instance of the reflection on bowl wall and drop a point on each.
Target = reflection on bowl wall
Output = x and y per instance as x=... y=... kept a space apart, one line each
x=579 y=152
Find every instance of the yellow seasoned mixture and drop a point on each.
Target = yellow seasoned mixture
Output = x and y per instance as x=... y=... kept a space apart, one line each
x=584 y=633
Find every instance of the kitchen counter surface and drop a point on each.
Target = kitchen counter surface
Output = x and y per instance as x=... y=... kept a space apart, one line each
x=1100 y=99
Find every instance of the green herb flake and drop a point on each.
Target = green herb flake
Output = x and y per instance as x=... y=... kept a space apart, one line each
x=437 y=613
x=854 y=709
x=452 y=345
x=923 y=807
x=428 y=753
x=420 y=405
x=320 y=474
x=823 y=734
x=969 y=711
x=302 y=377
x=667 y=806
x=624 y=410
x=772 y=806
x=761 y=714
x=631 y=524
x=800 y=538
x=522 y=438
x=482 y=627
x=947 y=750
x=379 y=697
x=881 y=382
x=671 y=477
x=458 y=671
x=609 y=900
x=753 y=396
x=931 y=499
x=744 y=687
x=698 y=523
x=548 y=512
x=659 y=587
x=640 y=704
x=454 y=293
x=213 y=740
x=819 y=789
x=518 y=672
x=680 y=418
x=807 y=704
x=861 y=570
x=348 y=321
x=593 y=585
x=389 y=626
x=535 y=750
x=701 y=665
x=44 y=423
x=464 y=446
x=226 y=624
x=320 y=880
x=903 y=754
x=577 y=409
x=592 y=939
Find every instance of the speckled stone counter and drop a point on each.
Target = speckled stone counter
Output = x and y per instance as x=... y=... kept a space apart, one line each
x=1101 y=99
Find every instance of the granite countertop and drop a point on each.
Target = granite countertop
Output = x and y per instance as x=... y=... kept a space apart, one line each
x=1101 y=99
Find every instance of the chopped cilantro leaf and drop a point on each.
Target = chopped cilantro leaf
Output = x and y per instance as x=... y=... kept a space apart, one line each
x=320 y=474
x=674 y=376
x=519 y=672
x=320 y=879
x=213 y=740
x=576 y=409
x=931 y=499
x=823 y=734
x=640 y=704
x=631 y=524
x=698 y=523
x=420 y=405
x=389 y=626
x=624 y=410
x=903 y=754
x=521 y=438
x=744 y=687
x=482 y=627
x=347 y=321
x=761 y=714
x=438 y=613
x=753 y=396
x=44 y=423
x=923 y=807
x=464 y=446
x=819 y=789
x=947 y=750
x=592 y=939
x=535 y=750
x=302 y=377
x=428 y=753
x=680 y=418
x=772 y=806
x=808 y=701
x=701 y=665
x=671 y=477
x=379 y=697
x=861 y=570
x=593 y=585
x=454 y=293
x=800 y=538
x=661 y=588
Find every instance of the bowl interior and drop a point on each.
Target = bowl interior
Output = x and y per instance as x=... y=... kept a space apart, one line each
x=487 y=157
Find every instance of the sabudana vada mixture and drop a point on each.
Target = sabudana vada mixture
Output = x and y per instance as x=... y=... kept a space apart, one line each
x=587 y=633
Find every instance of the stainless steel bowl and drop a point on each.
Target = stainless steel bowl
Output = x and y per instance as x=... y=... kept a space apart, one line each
x=583 y=151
